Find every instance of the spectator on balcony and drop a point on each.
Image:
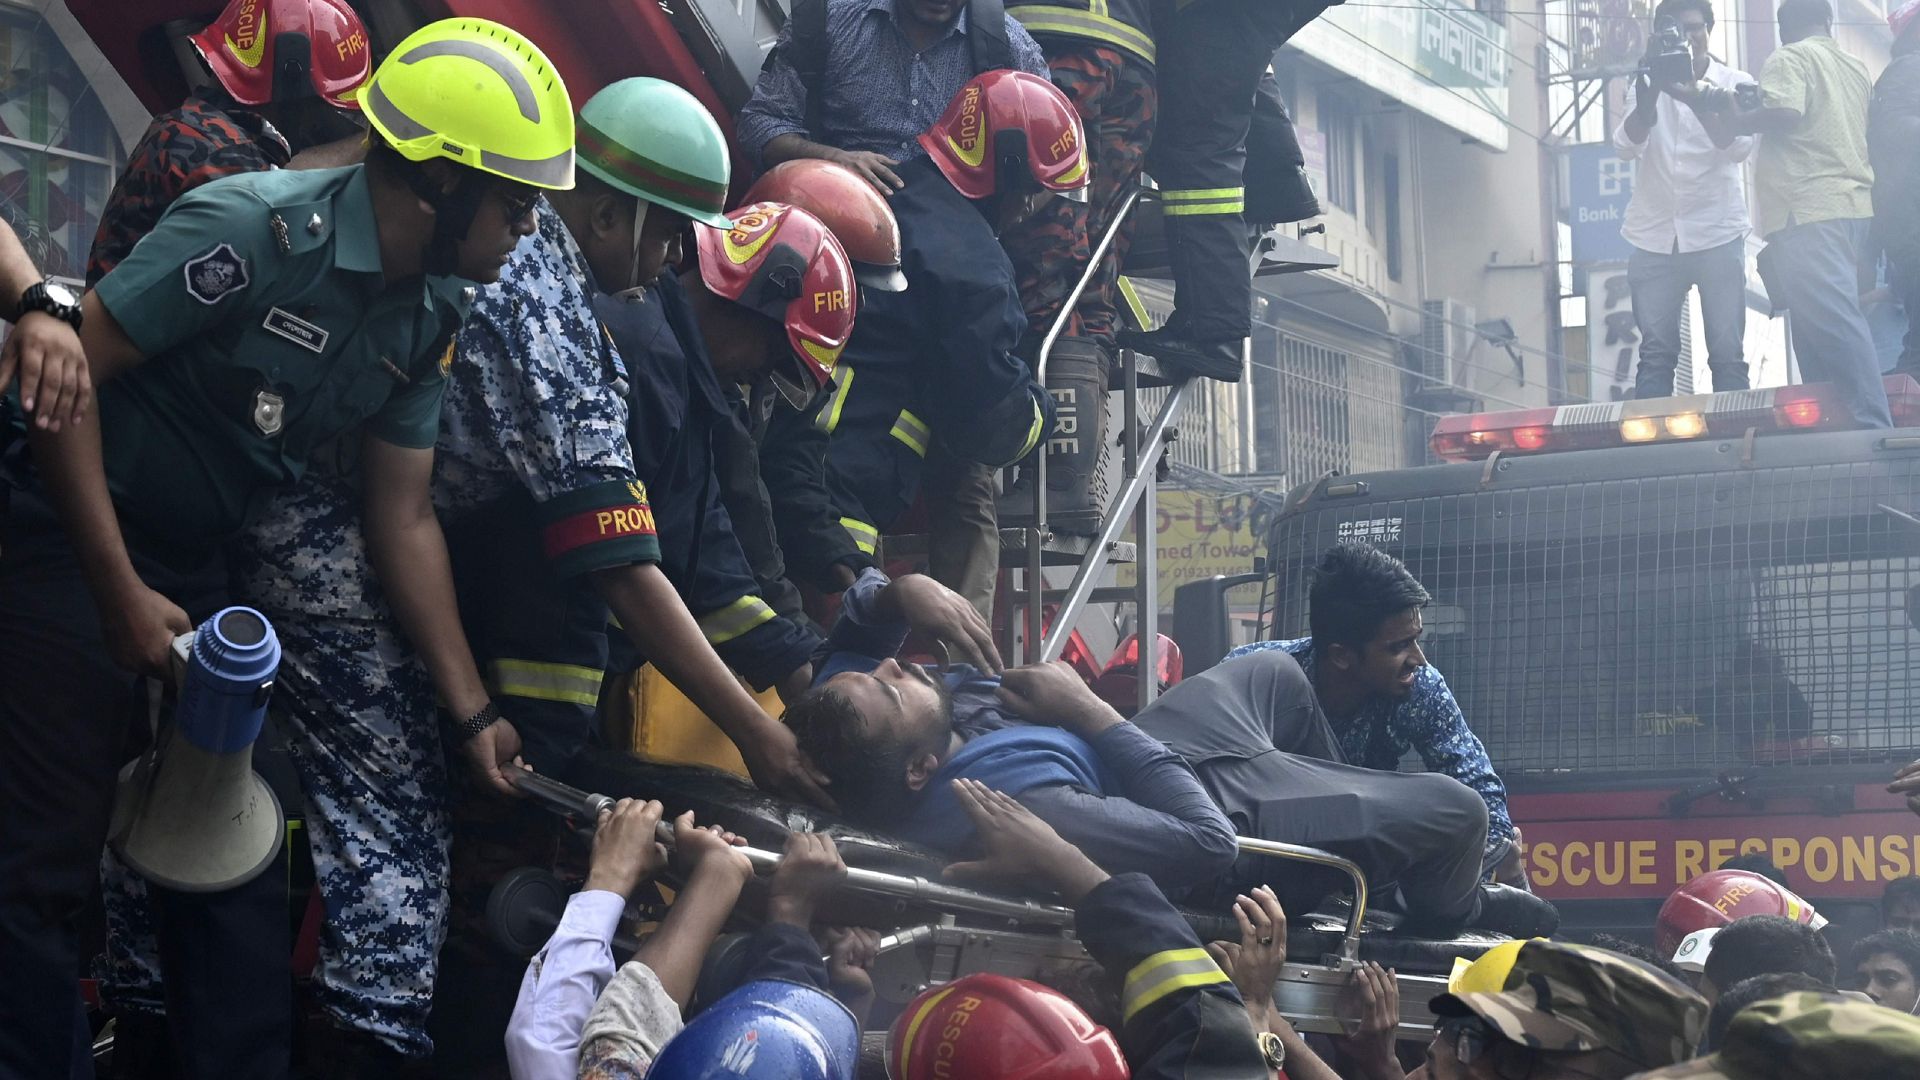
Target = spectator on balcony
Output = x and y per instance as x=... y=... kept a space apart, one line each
x=1816 y=203
x=1688 y=218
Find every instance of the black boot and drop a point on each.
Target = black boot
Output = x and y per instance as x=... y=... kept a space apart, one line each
x=1180 y=355
x=1077 y=378
x=1514 y=912
x=142 y=1048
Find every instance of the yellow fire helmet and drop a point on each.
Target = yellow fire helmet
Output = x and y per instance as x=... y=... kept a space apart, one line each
x=477 y=93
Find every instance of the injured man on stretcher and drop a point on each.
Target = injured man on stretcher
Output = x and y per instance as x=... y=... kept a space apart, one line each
x=1243 y=748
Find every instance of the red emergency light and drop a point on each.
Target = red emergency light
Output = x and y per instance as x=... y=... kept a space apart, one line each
x=1784 y=409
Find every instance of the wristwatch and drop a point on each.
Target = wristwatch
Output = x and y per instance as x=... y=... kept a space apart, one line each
x=1273 y=1050
x=464 y=730
x=49 y=297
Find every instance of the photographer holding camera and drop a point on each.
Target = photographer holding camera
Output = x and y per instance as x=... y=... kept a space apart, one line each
x=1687 y=221
x=1816 y=203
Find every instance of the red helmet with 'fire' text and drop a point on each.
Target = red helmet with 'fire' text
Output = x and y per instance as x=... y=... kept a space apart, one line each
x=265 y=51
x=1717 y=898
x=782 y=262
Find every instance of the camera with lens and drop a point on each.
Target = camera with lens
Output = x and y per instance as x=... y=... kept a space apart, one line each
x=1716 y=99
x=1669 y=60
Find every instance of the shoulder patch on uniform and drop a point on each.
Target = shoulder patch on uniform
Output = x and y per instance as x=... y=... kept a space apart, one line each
x=297 y=330
x=215 y=274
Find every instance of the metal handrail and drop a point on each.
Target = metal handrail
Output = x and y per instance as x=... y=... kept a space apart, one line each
x=1350 y=944
x=1037 y=532
x=1118 y=516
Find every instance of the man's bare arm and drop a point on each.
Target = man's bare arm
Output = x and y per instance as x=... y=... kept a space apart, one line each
x=55 y=385
x=139 y=623
x=409 y=552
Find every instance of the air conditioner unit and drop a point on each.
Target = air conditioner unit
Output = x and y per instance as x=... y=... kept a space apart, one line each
x=1446 y=339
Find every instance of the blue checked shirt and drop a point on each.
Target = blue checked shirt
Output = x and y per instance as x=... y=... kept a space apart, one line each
x=880 y=94
x=1429 y=722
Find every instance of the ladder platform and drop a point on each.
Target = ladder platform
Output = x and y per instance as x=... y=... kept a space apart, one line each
x=1059 y=549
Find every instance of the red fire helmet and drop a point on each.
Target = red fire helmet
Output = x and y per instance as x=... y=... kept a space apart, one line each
x=1717 y=898
x=1007 y=120
x=990 y=1027
x=282 y=50
x=782 y=262
x=856 y=214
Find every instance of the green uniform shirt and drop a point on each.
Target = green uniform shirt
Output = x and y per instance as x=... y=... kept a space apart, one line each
x=1819 y=171
x=268 y=329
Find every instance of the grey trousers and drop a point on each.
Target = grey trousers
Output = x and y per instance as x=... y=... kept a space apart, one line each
x=1254 y=733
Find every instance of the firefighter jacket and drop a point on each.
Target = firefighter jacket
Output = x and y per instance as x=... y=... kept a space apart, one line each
x=1123 y=24
x=744 y=490
x=679 y=422
x=1181 y=1016
x=935 y=361
x=814 y=535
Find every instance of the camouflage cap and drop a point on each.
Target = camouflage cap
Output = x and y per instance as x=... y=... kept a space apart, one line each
x=1561 y=997
x=1809 y=1036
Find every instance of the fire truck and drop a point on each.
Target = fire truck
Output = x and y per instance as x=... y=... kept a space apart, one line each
x=1686 y=629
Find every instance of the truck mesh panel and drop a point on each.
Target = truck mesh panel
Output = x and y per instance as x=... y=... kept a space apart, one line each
x=1672 y=623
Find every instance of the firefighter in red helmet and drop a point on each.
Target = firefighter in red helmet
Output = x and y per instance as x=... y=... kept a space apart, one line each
x=1179 y=1014
x=934 y=385
x=1714 y=899
x=852 y=210
x=283 y=74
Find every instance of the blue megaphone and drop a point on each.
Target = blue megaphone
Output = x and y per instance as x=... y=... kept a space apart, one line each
x=192 y=815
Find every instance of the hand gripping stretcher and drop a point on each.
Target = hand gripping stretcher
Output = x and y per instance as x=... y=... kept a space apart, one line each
x=936 y=932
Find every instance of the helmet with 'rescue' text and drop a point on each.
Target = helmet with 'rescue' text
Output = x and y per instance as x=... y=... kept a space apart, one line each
x=782 y=262
x=1003 y=124
x=857 y=215
x=991 y=1027
x=264 y=51
x=1717 y=898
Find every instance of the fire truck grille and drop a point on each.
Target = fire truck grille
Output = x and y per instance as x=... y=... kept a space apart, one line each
x=1672 y=623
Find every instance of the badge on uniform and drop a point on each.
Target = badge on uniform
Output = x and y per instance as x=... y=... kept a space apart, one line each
x=215 y=274
x=295 y=329
x=269 y=413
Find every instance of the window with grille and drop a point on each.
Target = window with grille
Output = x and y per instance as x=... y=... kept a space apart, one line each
x=58 y=150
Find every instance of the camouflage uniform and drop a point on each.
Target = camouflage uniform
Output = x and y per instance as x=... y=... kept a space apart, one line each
x=357 y=710
x=1809 y=1036
x=1567 y=999
x=209 y=136
x=534 y=476
x=1113 y=90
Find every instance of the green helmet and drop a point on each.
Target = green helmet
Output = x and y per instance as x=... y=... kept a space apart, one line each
x=653 y=140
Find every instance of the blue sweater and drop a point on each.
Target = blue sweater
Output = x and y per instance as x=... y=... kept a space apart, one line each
x=1123 y=798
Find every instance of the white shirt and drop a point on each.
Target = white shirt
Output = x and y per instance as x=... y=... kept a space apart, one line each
x=1687 y=192
x=561 y=984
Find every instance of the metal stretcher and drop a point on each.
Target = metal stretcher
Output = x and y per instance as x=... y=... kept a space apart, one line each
x=937 y=932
